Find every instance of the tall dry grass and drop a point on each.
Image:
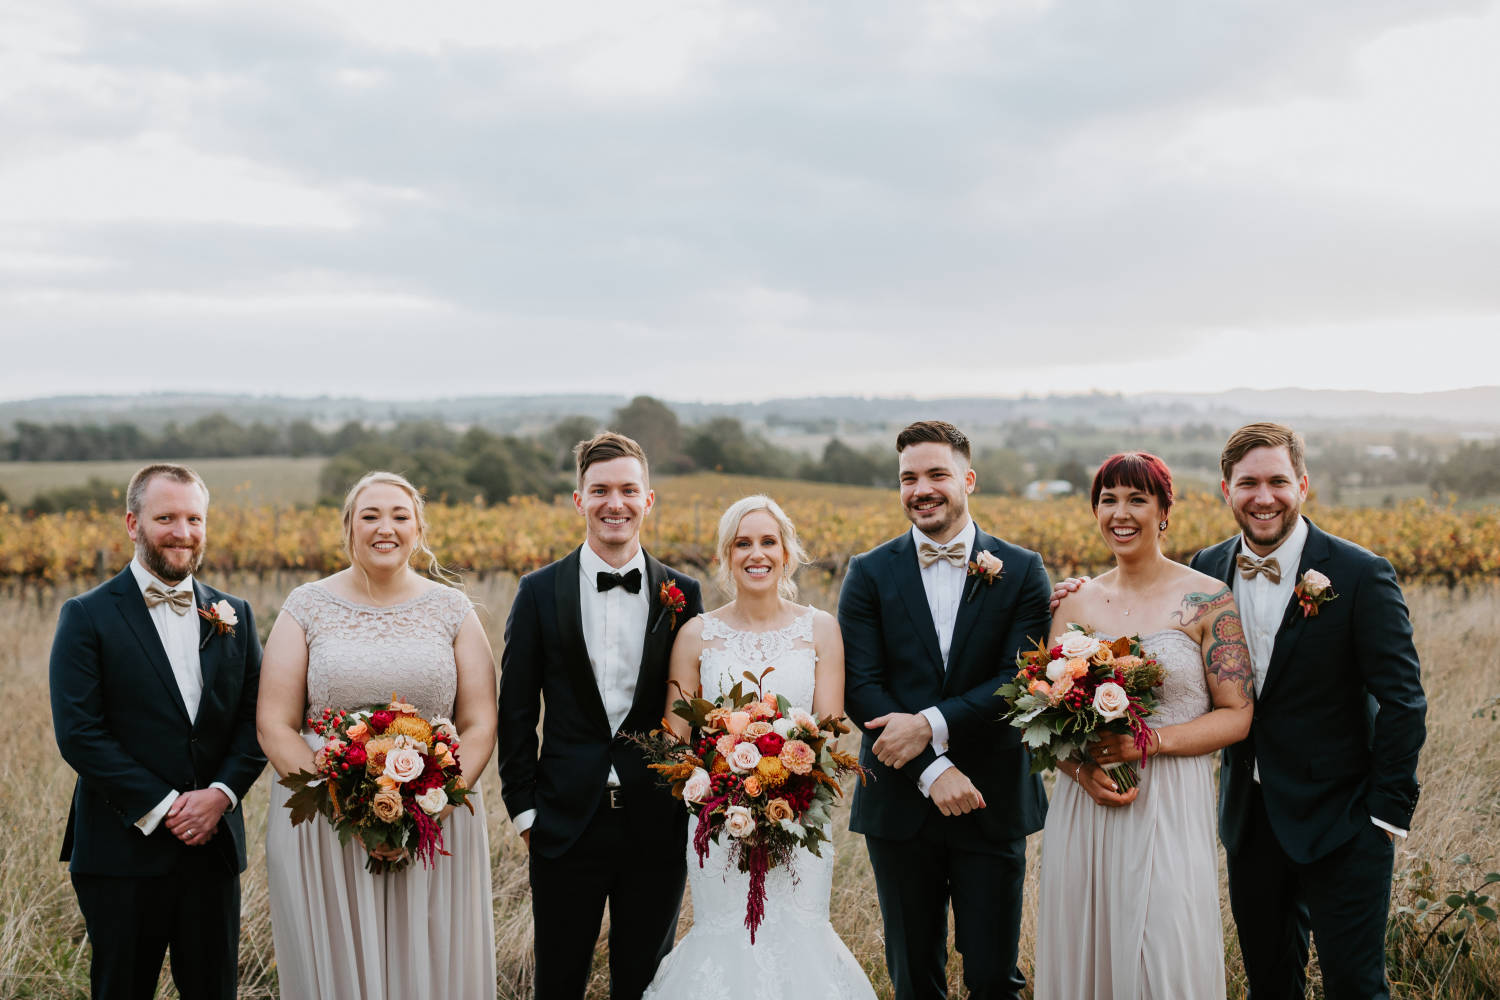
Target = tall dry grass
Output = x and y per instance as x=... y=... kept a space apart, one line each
x=44 y=954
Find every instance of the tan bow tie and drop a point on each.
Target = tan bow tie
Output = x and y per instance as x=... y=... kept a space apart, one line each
x=955 y=552
x=1249 y=566
x=179 y=600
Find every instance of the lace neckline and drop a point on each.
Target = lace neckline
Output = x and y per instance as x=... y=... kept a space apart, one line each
x=355 y=605
x=799 y=627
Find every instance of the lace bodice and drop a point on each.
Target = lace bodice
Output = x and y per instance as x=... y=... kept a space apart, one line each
x=360 y=655
x=730 y=652
x=1184 y=695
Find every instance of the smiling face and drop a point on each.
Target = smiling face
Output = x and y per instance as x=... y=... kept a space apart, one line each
x=170 y=529
x=1129 y=518
x=614 y=501
x=1266 y=495
x=384 y=531
x=757 y=556
x=935 y=485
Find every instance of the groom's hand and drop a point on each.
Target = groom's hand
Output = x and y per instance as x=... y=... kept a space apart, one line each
x=905 y=735
x=1068 y=586
x=954 y=794
x=194 y=815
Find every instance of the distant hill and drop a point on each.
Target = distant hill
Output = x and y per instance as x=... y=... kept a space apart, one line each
x=1475 y=410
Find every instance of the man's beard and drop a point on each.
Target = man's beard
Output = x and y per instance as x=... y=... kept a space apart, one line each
x=155 y=560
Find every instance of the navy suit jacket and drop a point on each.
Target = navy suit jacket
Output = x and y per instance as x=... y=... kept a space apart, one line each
x=892 y=663
x=121 y=724
x=1340 y=717
x=563 y=774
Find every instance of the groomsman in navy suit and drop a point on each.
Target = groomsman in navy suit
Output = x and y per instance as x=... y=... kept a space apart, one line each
x=931 y=619
x=589 y=636
x=153 y=704
x=1310 y=805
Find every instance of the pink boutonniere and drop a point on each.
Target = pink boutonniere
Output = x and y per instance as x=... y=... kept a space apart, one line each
x=1313 y=591
x=984 y=566
x=221 y=615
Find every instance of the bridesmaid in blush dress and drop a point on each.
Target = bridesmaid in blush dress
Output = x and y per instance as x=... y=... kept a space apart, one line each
x=350 y=640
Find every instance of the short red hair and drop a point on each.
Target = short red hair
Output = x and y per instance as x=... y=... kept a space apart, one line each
x=1138 y=470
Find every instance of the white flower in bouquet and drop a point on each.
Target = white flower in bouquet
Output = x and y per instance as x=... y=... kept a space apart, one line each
x=1078 y=645
x=744 y=757
x=1111 y=701
x=433 y=801
x=696 y=787
x=739 y=822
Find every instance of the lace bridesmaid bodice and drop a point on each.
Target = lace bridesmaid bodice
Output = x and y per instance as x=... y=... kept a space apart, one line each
x=1184 y=695
x=731 y=652
x=359 y=655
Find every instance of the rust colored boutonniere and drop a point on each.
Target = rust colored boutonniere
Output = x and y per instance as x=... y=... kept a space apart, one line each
x=984 y=566
x=671 y=599
x=1313 y=591
x=221 y=614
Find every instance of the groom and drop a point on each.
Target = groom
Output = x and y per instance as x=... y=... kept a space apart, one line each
x=154 y=706
x=1311 y=802
x=931 y=619
x=590 y=636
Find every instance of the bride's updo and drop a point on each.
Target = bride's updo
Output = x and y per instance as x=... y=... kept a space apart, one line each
x=1138 y=470
x=729 y=526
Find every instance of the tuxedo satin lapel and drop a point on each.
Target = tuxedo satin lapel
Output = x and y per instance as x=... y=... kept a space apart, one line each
x=651 y=678
x=1315 y=552
x=133 y=609
x=210 y=645
x=575 y=652
x=908 y=576
x=968 y=607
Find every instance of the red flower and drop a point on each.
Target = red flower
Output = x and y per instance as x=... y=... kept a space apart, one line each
x=769 y=745
x=356 y=755
x=1055 y=652
x=381 y=719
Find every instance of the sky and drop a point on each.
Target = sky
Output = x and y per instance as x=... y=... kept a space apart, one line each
x=727 y=200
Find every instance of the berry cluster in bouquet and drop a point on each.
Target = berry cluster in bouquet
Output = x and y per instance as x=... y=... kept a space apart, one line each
x=383 y=775
x=1063 y=694
x=761 y=774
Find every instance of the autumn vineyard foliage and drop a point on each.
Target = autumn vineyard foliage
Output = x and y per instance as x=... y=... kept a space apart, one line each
x=1426 y=542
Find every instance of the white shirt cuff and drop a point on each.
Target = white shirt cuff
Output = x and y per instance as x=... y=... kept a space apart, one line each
x=234 y=801
x=523 y=822
x=931 y=774
x=148 y=823
x=1388 y=828
x=939 y=728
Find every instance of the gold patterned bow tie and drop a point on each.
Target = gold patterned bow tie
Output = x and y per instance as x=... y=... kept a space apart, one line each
x=180 y=601
x=955 y=552
x=1249 y=566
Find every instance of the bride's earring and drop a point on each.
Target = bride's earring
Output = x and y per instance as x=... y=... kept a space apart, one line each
x=1162 y=526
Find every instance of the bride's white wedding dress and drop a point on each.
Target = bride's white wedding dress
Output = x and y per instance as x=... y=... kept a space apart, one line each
x=796 y=953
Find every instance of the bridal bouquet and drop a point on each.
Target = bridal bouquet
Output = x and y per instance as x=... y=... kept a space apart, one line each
x=761 y=774
x=1062 y=695
x=383 y=774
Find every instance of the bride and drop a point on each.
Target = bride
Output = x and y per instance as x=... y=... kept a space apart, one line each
x=796 y=952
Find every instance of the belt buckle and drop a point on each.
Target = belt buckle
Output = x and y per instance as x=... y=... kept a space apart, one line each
x=615 y=800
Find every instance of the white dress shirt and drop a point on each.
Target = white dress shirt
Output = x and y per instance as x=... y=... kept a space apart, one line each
x=943 y=583
x=1262 y=606
x=614 y=630
x=179 y=639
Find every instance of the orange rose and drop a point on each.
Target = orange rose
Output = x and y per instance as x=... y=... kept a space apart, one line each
x=752 y=785
x=778 y=810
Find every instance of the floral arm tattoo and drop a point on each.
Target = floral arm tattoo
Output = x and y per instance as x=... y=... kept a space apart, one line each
x=1228 y=657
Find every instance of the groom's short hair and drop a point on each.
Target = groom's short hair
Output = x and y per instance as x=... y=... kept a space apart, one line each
x=1262 y=435
x=135 y=493
x=935 y=432
x=607 y=445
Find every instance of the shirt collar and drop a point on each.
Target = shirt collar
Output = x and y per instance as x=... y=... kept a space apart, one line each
x=590 y=565
x=966 y=536
x=145 y=578
x=1288 y=554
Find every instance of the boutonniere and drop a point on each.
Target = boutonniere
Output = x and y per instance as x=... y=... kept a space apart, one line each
x=221 y=614
x=984 y=566
x=1313 y=591
x=673 y=600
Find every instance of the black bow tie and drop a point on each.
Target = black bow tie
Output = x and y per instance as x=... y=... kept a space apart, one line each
x=630 y=581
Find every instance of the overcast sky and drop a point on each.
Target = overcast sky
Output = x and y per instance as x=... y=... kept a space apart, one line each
x=734 y=199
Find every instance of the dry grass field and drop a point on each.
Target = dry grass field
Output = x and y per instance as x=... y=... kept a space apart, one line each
x=43 y=952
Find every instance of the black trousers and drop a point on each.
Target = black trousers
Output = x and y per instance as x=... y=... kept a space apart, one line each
x=193 y=913
x=642 y=885
x=1342 y=899
x=917 y=879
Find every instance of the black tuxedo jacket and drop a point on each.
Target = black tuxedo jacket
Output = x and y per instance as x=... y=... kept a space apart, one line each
x=563 y=776
x=892 y=663
x=1340 y=717
x=121 y=724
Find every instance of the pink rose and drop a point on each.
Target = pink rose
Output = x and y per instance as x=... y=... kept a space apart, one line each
x=1111 y=701
x=744 y=757
x=756 y=730
x=737 y=722
x=725 y=745
x=403 y=764
x=696 y=787
x=804 y=720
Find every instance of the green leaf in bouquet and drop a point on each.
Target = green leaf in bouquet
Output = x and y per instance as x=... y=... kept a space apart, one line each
x=783 y=705
x=1037 y=734
x=308 y=801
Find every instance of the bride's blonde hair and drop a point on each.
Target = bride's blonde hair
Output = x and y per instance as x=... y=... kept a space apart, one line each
x=729 y=526
x=433 y=567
